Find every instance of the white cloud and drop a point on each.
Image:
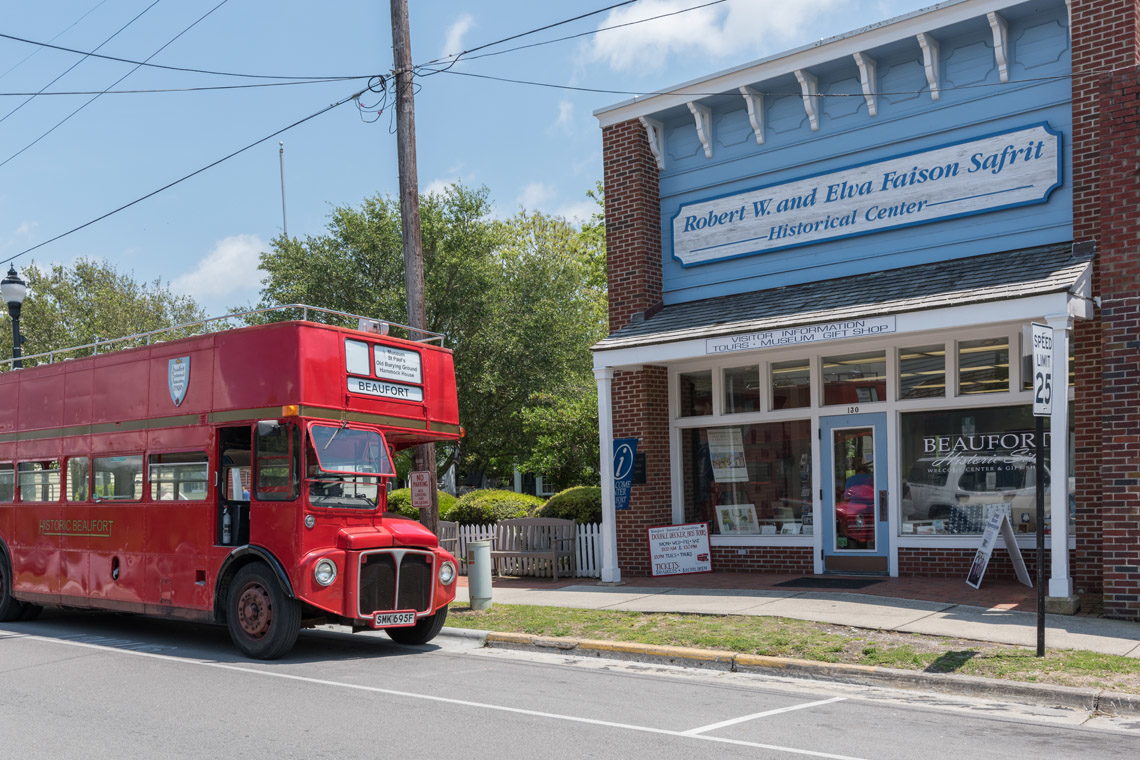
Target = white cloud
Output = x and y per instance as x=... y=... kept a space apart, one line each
x=578 y=212
x=437 y=186
x=717 y=31
x=26 y=229
x=453 y=43
x=226 y=276
x=565 y=120
x=534 y=195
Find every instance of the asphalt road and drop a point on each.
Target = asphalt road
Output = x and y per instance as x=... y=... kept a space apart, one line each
x=105 y=686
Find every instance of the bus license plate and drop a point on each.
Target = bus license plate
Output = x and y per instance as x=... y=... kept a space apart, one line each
x=395 y=619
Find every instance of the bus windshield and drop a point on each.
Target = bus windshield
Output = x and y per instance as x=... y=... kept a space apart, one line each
x=359 y=452
x=345 y=467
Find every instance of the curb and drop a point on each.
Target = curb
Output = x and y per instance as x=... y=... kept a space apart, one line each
x=1069 y=697
x=465 y=633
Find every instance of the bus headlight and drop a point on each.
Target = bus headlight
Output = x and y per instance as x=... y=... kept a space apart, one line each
x=446 y=573
x=325 y=572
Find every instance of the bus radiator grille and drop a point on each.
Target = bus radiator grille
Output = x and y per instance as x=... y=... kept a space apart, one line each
x=395 y=580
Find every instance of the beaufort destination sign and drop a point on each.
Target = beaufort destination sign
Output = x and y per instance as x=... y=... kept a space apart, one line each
x=1000 y=171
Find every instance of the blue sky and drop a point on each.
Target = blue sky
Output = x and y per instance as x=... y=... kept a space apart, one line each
x=534 y=148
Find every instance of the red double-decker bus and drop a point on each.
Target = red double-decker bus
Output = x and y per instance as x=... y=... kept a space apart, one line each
x=236 y=476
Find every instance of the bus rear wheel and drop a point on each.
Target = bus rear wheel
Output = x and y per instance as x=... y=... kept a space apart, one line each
x=10 y=608
x=420 y=633
x=263 y=621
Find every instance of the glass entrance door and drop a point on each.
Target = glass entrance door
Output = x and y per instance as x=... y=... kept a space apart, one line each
x=855 y=523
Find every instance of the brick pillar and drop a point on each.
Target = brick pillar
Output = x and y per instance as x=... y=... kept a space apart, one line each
x=633 y=222
x=641 y=410
x=641 y=398
x=1105 y=37
x=1119 y=236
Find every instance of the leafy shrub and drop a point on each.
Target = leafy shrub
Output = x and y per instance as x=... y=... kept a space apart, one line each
x=580 y=503
x=400 y=502
x=491 y=505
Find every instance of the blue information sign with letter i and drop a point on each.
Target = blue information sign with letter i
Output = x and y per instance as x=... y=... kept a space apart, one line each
x=625 y=452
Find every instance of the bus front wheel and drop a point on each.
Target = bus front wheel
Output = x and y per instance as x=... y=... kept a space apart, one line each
x=263 y=621
x=420 y=633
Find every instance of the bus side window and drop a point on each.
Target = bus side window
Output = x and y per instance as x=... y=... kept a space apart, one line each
x=278 y=461
x=78 y=475
x=180 y=476
x=39 y=481
x=7 y=482
x=118 y=478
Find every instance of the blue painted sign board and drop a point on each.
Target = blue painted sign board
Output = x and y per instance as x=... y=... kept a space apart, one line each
x=1004 y=170
x=625 y=452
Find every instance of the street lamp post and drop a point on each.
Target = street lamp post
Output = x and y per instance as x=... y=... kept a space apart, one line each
x=14 y=290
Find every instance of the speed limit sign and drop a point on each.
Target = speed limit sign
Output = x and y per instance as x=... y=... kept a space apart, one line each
x=1042 y=370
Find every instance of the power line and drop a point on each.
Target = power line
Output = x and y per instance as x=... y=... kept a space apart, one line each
x=67 y=118
x=796 y=93
x=62 y=32
x=455 y=57
x=591 y=31
x=209 y=88
x=92 y=54
x=182 y=179
x=69 y=69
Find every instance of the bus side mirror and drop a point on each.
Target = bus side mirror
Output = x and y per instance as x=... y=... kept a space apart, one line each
x=267 y=427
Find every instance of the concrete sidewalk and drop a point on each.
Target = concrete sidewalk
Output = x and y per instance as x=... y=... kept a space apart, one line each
x=865 y=610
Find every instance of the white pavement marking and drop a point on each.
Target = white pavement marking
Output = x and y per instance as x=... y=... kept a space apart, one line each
x=443 y=700
x=754 y=716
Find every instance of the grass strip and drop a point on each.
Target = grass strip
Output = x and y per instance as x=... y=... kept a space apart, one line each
x=783 y=637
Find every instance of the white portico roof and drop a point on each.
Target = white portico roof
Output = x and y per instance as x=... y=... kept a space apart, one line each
x=1022 y=284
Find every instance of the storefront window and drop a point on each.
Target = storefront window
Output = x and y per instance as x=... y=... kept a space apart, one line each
x=956 y=463
x=742 y=390
x=696 y=393
x=983 y=366
x=922 y=372
x=855 y=378
x=791 y=385
x=749 y=480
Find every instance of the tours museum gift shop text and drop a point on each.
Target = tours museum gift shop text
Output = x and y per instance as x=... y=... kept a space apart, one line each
x=823 y=269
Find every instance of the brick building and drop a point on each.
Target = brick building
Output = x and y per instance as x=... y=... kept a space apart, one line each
x=823 y=268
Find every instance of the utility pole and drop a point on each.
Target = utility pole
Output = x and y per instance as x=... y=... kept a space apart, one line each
x=281 y=162
x=410 y=210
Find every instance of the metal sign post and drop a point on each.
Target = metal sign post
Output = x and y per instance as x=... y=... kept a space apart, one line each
x=1042 y=371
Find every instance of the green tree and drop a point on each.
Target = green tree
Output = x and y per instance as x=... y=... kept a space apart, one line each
x=519 y=301
x=91 y=300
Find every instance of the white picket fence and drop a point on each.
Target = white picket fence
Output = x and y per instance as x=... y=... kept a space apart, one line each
x=589 y=545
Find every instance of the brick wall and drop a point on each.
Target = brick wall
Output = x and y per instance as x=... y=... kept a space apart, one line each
x=633 y=222
x=641 y=410
x=1106 y=38
x=955 y=563
x=787 y=560
x=1118 y=238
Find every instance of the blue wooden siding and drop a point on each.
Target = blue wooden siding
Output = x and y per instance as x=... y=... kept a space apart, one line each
x=973 y=103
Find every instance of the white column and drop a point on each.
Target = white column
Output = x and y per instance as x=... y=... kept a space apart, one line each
x=611 y=573
x=1060 y=584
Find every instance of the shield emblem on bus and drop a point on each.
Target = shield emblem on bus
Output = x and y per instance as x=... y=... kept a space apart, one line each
x=178 y=378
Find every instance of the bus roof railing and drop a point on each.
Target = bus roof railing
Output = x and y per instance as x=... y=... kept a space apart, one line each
x=368 y=324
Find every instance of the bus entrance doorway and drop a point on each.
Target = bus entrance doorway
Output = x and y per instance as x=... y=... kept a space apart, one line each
x=234 y=457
